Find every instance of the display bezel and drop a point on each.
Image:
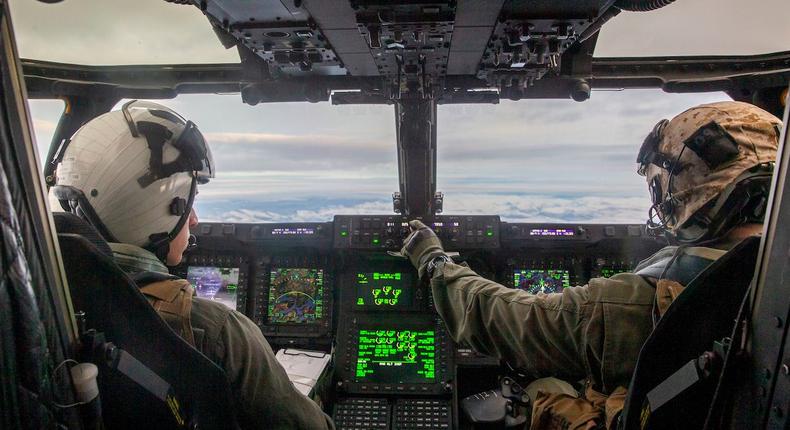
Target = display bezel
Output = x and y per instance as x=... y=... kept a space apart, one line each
x=347 y=347
x=358 y=333
x=222 y=261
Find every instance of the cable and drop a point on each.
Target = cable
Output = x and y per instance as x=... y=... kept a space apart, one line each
x=55 y=372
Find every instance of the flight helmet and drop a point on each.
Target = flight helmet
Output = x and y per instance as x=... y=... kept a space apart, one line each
x=709 y=169
x=133 y=174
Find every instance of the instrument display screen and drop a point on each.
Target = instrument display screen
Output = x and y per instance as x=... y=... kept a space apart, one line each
x=215 y=283
x=384 y=290
x=296 y=296
x=396 y=355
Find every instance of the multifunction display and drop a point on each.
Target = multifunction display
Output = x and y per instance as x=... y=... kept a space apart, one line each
x=295 y=296
x=384 y=290
x=396 y=355
x=541 y=280
x=215 y=283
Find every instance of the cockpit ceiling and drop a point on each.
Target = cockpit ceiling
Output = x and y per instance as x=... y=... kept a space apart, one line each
x=407 y=42
x=450 y=51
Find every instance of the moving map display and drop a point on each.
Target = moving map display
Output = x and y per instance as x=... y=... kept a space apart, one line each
x=296 y=296
x=541 y=280
x=396 y=355
x=215 y=283
x=384 y=290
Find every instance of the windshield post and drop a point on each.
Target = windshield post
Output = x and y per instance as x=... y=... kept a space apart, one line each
x=415 y=122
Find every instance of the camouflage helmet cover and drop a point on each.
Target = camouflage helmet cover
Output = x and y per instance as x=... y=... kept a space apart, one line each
x=701 y=152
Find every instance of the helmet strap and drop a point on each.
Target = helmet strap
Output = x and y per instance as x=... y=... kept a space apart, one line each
x=664 y=210
x=160 y=242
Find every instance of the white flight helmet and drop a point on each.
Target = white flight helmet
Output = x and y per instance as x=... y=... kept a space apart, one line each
x=133 y=174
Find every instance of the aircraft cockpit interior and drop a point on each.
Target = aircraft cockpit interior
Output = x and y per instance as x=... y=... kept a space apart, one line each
x=331 y=287
x=355 y=327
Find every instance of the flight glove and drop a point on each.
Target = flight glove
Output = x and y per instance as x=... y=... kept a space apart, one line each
x=420 y=247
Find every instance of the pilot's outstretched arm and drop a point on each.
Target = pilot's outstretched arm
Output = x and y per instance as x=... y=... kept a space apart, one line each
x=593 y=331
x=268 y=398
x=542 y=333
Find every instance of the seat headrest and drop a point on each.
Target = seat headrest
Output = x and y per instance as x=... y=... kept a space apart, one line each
x=68 y=223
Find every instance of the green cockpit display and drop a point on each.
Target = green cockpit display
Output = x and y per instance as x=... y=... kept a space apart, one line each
x=384 y=290
x=396 y=356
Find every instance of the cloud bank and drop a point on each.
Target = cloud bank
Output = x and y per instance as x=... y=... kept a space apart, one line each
x=514 y=208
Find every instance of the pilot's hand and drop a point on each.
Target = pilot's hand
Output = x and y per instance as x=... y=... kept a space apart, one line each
x=420 y=247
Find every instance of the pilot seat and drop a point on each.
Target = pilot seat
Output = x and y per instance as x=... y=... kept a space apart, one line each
x=148 y=376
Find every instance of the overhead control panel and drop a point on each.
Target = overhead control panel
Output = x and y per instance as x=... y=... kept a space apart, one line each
x=395 y=50
x=382 y=232
x=410 y=41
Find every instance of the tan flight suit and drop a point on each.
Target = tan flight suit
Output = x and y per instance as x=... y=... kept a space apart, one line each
x=266 y=399
x=592 y=333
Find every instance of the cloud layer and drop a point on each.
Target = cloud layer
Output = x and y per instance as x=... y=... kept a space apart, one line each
x=514 y=208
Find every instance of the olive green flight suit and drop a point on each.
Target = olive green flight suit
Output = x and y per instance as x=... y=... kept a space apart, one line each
x=266 y=398
x=593 y=332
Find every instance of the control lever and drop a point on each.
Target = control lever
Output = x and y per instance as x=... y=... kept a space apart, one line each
x=506 y=406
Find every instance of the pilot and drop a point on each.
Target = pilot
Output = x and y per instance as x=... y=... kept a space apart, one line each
x=708 y=171
x=133 y=175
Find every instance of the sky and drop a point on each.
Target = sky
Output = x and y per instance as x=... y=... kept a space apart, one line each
x=533 y=160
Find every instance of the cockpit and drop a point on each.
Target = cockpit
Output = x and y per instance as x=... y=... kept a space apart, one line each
x=509 y=128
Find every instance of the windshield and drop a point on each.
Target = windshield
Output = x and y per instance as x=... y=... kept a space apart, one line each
x=280 y=162
x=132 y=32
x=699 y=27
x=553 y=160
x=533 y=160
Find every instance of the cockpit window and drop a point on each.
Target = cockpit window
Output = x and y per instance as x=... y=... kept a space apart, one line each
x=533 y=160
x=114 y=32
x=290 y=162
x=698 y=27
x=552 y=160
x=45 y=115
